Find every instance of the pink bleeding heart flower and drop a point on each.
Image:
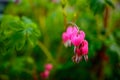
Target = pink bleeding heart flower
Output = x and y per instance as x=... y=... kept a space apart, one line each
x=82 y=33
x=78 y=51
x=81 y=50
x=45 y=74
x=72 y=31
x=48 y=67
x=66 y=36
x=84 y=47
x=77 y=39
x=78 y=55
x=74 y=36
x=66 y=40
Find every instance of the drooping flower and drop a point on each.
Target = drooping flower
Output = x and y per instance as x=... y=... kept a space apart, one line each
x=71 y=31
x=82 y=33
x=45 y=74
x=84 y=47
x=74 y=36
x=66 y=36
x=77 y=39
x=48 y=67
x=66 y=39
x=80 y=51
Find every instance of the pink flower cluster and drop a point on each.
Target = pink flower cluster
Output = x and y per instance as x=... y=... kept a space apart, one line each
x=48 y=67
x=74 y=36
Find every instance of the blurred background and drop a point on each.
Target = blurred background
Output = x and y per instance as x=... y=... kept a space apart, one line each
x=30 y=38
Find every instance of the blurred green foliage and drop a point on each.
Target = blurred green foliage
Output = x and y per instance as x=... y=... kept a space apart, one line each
x=30 y=36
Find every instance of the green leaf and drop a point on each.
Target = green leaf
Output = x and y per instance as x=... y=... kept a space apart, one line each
x=109 y=2
x=16 y=32
x=26 y=20
x=20 y=45
x=72 y=2
x=97 y=6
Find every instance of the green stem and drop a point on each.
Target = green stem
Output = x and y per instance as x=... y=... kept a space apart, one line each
x=59 y=49
x=46 y=51
x=73 y=24
x=65 y=18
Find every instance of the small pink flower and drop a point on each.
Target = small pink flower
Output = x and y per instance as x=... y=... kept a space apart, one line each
x=66 y=40
x=77 y=39
x=81 y=50
x=48 y=67
x=74 y=36
x=78 y=51
x=82 y=33
x=84 y=47
x=45 y=74
x=65 y=37
x=72 y=31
